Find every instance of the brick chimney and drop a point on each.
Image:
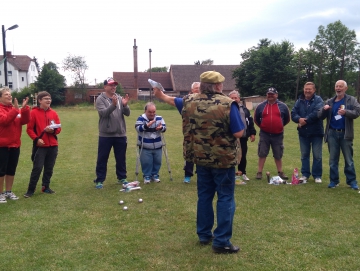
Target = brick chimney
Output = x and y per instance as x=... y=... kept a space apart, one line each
x=135 y=66
x=8 y=54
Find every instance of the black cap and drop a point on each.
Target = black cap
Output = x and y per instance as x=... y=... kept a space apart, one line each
x=272 y=90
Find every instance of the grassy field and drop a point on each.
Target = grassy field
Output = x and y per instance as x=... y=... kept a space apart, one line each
x=304 y=227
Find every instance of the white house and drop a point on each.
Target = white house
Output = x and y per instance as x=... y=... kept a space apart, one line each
x=22 y=71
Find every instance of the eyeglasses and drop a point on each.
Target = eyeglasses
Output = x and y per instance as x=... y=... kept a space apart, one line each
x=46 y=99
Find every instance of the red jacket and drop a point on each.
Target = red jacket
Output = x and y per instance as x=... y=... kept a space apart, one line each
x=39 y=120
x=10 y=125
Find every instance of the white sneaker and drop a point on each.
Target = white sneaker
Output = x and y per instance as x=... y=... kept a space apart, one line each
x=2 y=198
x=147 y=180
x=318 y=180
x=245 y=178
x=156 y=178
x=11 y=195
x=303 y=179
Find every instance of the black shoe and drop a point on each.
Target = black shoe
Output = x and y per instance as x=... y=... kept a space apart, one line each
x=47 y=190
x=207 y=242
x=28 y=194
x=225 y=250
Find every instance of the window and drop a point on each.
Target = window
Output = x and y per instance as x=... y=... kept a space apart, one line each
x=9 y=72
x=0 y=72
x=78 y=95
x=22 y=79
x=10 y=85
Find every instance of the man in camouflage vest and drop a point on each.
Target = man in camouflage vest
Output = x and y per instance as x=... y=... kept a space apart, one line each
x=211 y=126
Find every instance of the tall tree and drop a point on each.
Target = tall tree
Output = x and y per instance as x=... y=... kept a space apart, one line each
x=335 y=46
x=158 y=69
x=77 y=66
x=267 y=65
x=52 y=81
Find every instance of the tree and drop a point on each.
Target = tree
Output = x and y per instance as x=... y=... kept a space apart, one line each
x=204 y=62
x=335 y=47
x=158 y=69
x=77 y=65
x=52 y=81
x=267 y=65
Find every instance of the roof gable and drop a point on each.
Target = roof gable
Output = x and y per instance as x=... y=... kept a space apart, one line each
x=20 y=62
x=127 y=79
x=184 y=75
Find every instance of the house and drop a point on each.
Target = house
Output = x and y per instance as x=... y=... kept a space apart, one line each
x=176 y=82
x=22 y=71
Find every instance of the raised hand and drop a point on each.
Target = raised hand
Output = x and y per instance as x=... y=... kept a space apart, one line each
x=125 y=100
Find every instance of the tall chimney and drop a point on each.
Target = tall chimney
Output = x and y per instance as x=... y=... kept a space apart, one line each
x=135 y=66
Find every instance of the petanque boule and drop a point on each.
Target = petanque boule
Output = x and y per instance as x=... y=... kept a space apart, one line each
x=125 y=208
x=140 y=200
x=121 y=202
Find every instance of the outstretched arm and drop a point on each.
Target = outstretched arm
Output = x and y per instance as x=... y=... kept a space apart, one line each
x=163 y=97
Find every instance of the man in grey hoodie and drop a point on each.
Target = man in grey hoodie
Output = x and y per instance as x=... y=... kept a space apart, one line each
x=112 y=132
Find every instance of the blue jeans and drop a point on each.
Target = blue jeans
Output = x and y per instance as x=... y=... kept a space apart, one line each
x=150 y=161
x=221 y=181
x=336 y=142
x=306 y=143
x=105 y=144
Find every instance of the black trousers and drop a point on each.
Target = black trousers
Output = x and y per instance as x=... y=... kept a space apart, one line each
x=244 y=149
x=189 y=169
x=44 y=159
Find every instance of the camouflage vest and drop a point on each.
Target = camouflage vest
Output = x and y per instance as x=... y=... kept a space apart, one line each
x=208 y=140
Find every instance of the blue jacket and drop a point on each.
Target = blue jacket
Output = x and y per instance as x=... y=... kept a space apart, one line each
x=314 y=125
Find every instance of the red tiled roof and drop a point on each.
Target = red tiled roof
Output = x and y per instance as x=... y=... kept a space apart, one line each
x=184 y=75
x=20 y=62
x=127 y=81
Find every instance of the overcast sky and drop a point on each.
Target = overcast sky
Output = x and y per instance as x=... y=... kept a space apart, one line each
x=178 y=32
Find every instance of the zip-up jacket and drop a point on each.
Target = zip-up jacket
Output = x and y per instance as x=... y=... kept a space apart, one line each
x=11 y=121
x=149 y=137
x=352 y=108
x=39 y=120
x=249 y=122
x=309 y=110
x=111 y=121
x=271 y=118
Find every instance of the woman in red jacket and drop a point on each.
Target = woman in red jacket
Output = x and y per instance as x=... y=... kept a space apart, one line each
x=11 y=120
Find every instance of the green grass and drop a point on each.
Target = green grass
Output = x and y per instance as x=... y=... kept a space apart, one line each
x=305 y=227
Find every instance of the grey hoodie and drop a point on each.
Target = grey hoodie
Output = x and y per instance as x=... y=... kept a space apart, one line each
x=111 y=122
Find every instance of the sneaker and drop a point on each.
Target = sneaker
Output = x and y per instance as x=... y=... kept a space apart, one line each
x=283 y=176
x=259 y=175
x=99 y=185
x=156 y=178
x=318 y=180
x=303 y=179
x=147 y=180
x=11 y=195
x=354 y=186
x=245 y=178
x=239 y=182
x=187 y=179
x=225 y=250
x=48 y=190
x=2 y=198
x=123 y=182
x=28 y=194
x=333 y=185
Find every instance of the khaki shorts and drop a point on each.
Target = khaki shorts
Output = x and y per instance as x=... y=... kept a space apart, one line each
x=273 y=140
